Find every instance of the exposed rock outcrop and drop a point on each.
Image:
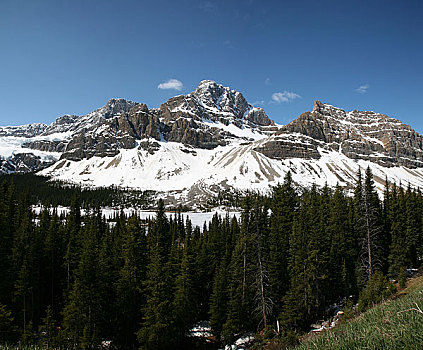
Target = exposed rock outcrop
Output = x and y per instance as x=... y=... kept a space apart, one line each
x=196 y=119
x=358 y=135
x=24 y=163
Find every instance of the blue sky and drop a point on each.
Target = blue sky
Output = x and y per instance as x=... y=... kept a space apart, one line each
x=69 y=57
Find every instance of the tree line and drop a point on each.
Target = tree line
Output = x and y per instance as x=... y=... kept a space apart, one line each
x=76 y=281
x=58 y=193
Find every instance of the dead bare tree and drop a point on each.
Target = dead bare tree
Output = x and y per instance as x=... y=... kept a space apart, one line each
x=262 y=298
x=369 y=228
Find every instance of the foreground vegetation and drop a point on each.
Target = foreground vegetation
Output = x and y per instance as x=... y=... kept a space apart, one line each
x=78 y=281
x=394 y=324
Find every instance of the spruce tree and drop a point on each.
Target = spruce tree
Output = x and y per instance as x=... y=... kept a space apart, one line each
x=7 y=233
x=25 y=264
x=413 y=227
x=130 y=296
x=55 y=279
x=73 y=246
x=241 y=280
x=398 y=248
x=155 y=331
x=185 y=303
x=308 y=265
x=219 y=300
x=283 y=206
x=84 y=311
x=343 y=252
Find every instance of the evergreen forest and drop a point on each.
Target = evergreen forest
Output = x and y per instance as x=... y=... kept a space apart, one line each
x=57 y=193
x=81 y=282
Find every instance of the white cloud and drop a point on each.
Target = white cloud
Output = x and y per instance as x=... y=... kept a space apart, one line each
x=207 y=6
x=362 y=89
x=267 y=81
x=258 y=103
x=171 y=84
x=286 y=96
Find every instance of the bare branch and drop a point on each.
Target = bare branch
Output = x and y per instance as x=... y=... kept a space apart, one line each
x=417 y=308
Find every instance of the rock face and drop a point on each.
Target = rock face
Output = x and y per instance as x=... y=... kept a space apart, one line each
x=74 y=124
x=28 y=130
x=24 y=163
x=199 y=119
x=195 y=119
x=359 y=135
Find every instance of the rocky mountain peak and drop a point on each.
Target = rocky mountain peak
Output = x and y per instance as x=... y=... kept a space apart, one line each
x=211 y=101
x=327 y=110
x=317 y=106
x=207 y=84
x=217 y=97
x=115 y=107
x=206 y=118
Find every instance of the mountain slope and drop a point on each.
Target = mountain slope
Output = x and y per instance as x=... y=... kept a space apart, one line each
x=358 y=135
x=212 y=139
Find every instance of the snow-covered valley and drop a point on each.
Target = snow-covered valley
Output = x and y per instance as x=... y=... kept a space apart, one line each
x=196 y=218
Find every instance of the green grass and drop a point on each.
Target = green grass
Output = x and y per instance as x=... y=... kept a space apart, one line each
x=385 y=326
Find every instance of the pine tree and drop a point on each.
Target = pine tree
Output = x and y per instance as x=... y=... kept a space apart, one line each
x=73 y=248
x=84 y=312
x=413 y=227
x=129 y=288
x=48 y=330
x=370 y=219
x=308 y=265
x=398 y=248
x=155 y=330
x=284 y=202
x=23 y=259
x=219 y=300
x=7 y=233
x=157 y=320
x=241 y=280
x=55 y=275
x=343 y=252
x=184 y=304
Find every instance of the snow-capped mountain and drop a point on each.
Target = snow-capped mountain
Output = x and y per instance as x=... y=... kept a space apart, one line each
x=212 y=139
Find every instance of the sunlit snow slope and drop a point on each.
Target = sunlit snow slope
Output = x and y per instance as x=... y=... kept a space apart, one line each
x=192 y=176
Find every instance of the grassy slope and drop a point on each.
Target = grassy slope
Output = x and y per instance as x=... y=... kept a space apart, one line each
x=385 y=326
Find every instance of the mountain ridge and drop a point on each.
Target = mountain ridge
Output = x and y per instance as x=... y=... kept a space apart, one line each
x=210 y=140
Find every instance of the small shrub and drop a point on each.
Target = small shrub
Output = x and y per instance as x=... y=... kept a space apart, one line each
x=349 y=309
x=8 y=331
x=28 y=335
x=402 y=280
x=378 y=289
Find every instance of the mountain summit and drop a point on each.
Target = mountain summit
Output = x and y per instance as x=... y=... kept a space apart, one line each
x=210 y=140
